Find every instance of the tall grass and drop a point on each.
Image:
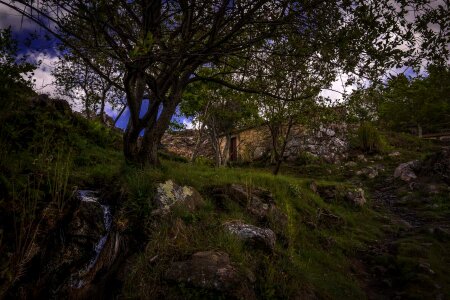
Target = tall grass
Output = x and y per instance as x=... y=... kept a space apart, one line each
x=369 y=139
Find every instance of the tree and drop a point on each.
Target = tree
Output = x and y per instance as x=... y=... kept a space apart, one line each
x=219 y=111
x=160 y=45
x=422 y=102
x=77 y=81
x=13 y=84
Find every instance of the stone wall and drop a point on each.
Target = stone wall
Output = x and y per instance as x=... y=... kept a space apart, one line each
x=327 y=142
x=183 y=143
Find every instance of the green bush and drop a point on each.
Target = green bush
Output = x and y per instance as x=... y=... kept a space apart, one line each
x=369 y=140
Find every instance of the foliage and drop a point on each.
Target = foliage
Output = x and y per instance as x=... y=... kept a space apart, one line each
x=422 y=101
x=160 y=47
x=368 y=139
x=76 y=80
x=13 y=86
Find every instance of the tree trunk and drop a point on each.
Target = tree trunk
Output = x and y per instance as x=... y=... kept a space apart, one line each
x=419 y=130
x=226 y=150
x=120 y=114
x=198 y=143
x=280 y=154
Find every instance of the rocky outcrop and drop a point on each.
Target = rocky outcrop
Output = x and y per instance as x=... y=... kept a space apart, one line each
x=183 y=143
x=437 y=164
x=263 y=238
x=406 y=170
x=332 y=193
x=211 y=270
x=258 y=202
x=169 y=194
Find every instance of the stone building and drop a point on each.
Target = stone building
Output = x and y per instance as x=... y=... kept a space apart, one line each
x=328 y=142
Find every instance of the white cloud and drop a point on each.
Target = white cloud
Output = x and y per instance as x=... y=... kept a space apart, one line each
x=44 y=79
x=338 y=88
x=188 y=124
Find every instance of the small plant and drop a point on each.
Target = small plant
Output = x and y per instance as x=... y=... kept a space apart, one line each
x=369 y=140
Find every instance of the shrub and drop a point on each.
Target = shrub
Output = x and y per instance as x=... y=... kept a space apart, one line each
x=369 y=140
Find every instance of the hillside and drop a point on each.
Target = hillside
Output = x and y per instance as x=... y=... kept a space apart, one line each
x=78 y=222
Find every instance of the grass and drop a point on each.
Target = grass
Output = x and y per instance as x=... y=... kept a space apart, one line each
x=314 y=250
x=312 y=260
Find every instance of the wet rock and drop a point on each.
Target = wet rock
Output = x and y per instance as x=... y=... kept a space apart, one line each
x=169 y=193
x=405 y=171
x=87 y=222
x=263 y=238
x=211 y=270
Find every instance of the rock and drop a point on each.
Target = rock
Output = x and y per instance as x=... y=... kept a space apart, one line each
x=362 y=158
x=258 y=237
x=405 y=171
x=369 y=172
x=394 y=154
x=378 y=157
x=87 y=222
x=437 y=164
x=356 y=197
x=313 y=186
x=351 y=164
x=211 y=270
x=169 y=193
x=258 y=202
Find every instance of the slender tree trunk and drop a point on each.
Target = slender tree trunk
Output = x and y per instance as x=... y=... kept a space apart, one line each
x=280 y=154
x=226 y=150
x=120 y=114
x=102 y=108
x=198 y=143
x=419 y=130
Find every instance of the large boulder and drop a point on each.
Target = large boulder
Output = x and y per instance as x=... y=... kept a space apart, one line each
x=211 y=270
x=406 y=170
x=263 y=238
x=169 y=194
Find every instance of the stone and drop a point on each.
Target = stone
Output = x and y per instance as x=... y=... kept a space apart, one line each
x=258 y=202
x=87 y=221
x=257 y=237
x=169 y=193
x=438 y=164
x=369 y=172
x=405 y=171
x=394 y=154
x=356 y=197
x=211 y=270
x=361 y=157
x=351 y=164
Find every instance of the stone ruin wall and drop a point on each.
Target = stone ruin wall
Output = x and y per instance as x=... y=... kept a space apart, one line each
x=183 y=143
x=329 y=143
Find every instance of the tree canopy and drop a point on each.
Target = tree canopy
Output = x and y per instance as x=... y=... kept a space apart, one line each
x=161 y=45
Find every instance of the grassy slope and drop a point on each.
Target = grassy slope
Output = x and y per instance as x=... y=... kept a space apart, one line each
x=314 y=254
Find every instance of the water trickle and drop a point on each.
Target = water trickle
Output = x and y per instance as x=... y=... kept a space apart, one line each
x=92 y=196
